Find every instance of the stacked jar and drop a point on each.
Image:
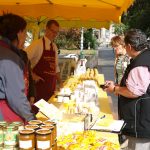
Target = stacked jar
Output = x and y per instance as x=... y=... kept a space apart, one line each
x=38 y=135
x=27 y=139
x=43 y=139
x=54 y=133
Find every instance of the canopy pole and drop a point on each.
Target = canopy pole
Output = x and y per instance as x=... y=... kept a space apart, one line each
x=81 y=43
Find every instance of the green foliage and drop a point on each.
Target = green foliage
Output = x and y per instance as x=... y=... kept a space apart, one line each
x=89 y=39
x=119 y=29
x=68 y=39
x=138 y=16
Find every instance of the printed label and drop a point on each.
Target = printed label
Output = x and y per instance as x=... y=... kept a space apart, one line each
x=25 y=144
x=9 y=138
x=43 y=144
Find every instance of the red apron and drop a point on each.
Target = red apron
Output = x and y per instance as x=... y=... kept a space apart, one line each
x=7 y=113
x=46 y=68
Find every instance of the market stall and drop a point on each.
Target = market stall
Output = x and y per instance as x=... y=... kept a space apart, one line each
x=77 y=117
x=72 y=112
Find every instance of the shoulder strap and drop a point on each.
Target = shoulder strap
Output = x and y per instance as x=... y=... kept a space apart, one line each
x=43 y=43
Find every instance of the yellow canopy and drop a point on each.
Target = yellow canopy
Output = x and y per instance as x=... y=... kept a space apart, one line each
x=70 y=13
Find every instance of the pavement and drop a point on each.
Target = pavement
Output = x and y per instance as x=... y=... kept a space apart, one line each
x=106 y=67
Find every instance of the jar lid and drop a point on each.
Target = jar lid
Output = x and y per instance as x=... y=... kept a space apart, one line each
x=48 y=122
x=50 y=127
x=11 y=127
x=35 y=122
x=3 y=123
x=43 y=131
x=26 y=131
x=17 y=123
x=31 y=126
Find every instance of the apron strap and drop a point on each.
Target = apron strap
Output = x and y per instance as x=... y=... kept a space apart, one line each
x=43 y=43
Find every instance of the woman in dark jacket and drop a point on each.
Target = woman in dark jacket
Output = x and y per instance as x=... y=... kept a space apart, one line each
x=14 y=104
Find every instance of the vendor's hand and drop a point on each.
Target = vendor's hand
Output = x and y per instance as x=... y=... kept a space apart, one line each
x=37 y=78
x=109 y=86
x=61 y=85
x=32 y=100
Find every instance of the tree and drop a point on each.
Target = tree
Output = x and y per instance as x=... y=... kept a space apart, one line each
x=138 y=16
x=69 y=39
x=89 y=39
x=119 y=29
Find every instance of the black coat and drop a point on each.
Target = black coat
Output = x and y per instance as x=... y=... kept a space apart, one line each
x=136 y=111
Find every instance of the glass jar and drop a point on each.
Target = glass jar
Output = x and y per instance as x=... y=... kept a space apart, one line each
x=54 y=146
x=48 y=122
x=50 y=127
x=35 y=122
x=43 y=139
x=10 y=136
x=26 y=139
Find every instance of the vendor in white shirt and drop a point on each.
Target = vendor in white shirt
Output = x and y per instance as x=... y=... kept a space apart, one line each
x=43 y=54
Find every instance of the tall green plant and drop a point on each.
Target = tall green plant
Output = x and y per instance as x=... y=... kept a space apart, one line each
x=89 y=39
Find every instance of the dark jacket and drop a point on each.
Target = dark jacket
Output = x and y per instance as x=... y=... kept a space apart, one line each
x=136 y=111
x=12 y=80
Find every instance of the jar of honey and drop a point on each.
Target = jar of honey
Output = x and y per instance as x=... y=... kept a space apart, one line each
x=49 y=127
x=26 y=139
x=54 y=146
x=43 y=139
x=48 y=122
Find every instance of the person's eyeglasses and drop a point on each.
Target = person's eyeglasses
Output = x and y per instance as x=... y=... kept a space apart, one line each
x=53 y=31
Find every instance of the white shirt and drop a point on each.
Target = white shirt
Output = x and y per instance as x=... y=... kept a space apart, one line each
x=35 y=51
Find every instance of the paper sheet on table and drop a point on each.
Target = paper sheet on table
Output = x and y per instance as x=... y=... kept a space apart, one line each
x=114 y=126
x=48 y=110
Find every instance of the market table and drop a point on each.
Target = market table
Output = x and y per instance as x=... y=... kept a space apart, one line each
x=105 y=106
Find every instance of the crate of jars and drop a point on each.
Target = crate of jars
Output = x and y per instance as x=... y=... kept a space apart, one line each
x=35 y=135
